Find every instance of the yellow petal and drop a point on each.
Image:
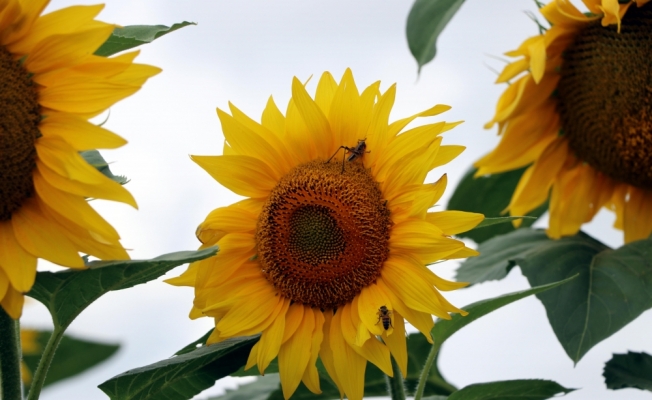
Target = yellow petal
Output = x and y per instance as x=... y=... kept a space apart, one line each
x=247 y=142
x=65 y=20
x=638 y=215
x=79 y=133
x=344 y=112
x=422 y=239
x=326 y=351
x=412 y=288
x=85 y=98
x=73 y=207
x=18 y=265
x=273 y=119
x=13 y=302
x=326 y=89
x=319 y=129
x=537 y=52
x=247 y=314
x=244 y=175
x=293 y=357
x=41 y=238
x=349 y=365
x=66 y=49
x=370 y=300
x=397 y=344
x=420 y=320
x=454 y=222
x=377 y=132
x=107 y=189
x=311 y=375
x=270 y=340
x=293 y=318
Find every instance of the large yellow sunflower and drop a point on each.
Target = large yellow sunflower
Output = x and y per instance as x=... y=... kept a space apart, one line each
x=579 y=110
x=50 y=85
x=319 y=247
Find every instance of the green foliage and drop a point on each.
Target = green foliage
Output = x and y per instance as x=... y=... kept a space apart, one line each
x=520 y=389
x=68 y=293
x=613 y=288
x=631 y=370
x=497 y=255
x=73 y=356
x=128 y=37
x=94 y=158
x=427 y=19
x=489 y=195
x=446 y=328
x=181 y=377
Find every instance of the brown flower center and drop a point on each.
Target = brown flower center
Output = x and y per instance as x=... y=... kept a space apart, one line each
x=19 y=120
x=323 y=234
x=605 y=97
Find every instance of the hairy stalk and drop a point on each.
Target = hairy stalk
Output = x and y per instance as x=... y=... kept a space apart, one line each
x=44 y=363
x=11 y=387
x=423 y=378
x=395 y=384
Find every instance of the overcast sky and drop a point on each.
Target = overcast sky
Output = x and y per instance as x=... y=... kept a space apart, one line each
x=243 y=51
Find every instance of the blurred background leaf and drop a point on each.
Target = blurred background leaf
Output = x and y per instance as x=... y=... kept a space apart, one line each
x=489 y=195
x=73 y=356
x=631 y=370
x=613 y=288
x=426 y=21
x=128 y=37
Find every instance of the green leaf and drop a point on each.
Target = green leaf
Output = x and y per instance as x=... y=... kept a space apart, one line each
x=128 y=37
x=73 y=356
x=436 y=397
x=195 y=345
x=613 y=288
x=497 y=255
x=489 y=195
x=94 y=158
x=427 y=19
x=436 y=384
x=68 y=293
x=181 y=377
x=446 y=328
x=631 y=370
x=259 y=390
x=520 y=389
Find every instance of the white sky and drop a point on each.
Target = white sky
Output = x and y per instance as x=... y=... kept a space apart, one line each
x=245 y=50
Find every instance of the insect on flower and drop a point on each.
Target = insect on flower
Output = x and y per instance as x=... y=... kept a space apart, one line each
x=357 y=151
x=385 y=315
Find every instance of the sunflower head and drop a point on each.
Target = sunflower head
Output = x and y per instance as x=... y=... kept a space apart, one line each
x=327 y=255
x=579 y=112
x=51 y=84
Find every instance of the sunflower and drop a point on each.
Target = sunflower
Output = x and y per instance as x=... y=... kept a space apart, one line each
x=327 y=236
x=579 y=112
x=51 y=84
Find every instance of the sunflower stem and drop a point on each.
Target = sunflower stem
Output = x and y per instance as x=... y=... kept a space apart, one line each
x=11 y=387
x=44 y=363
x=423 y=378
x=395 y=385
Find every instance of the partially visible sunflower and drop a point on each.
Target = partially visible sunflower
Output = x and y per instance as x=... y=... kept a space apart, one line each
x=580 y=112
x=50 y=85
x=29 y=345
x=323 y=242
